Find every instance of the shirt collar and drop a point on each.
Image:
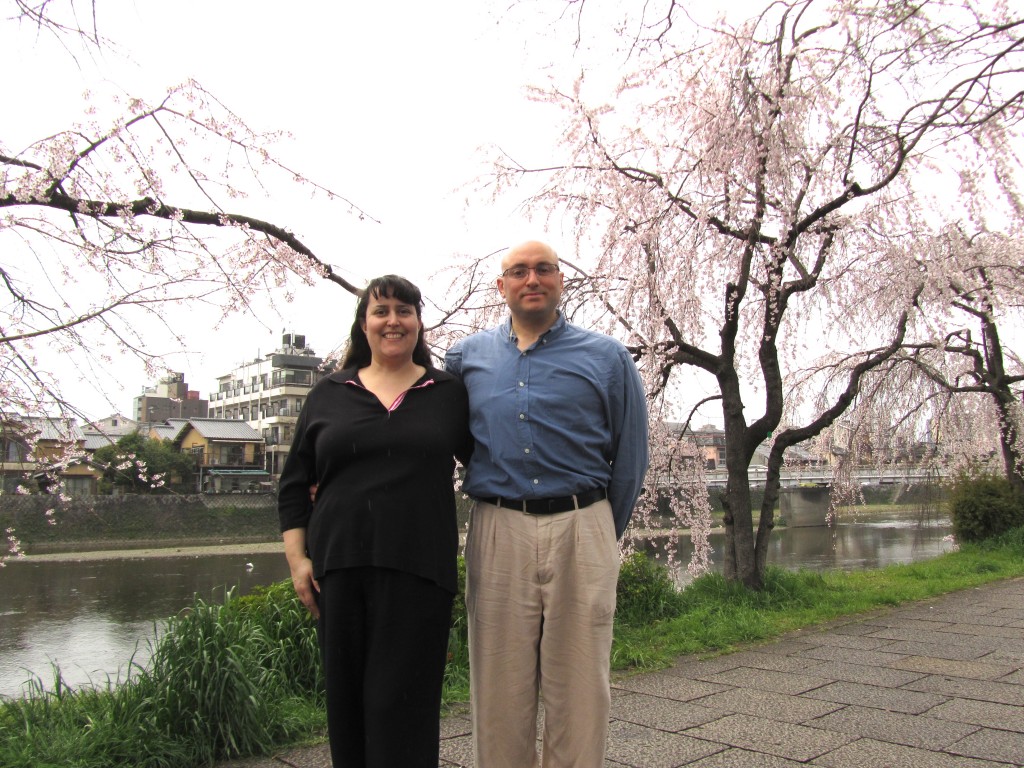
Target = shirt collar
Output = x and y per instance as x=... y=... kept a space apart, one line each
x=550 y=334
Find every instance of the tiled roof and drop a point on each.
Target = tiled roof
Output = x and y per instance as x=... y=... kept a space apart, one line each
x=225 y=429
x=49 y=428
x=97 y=440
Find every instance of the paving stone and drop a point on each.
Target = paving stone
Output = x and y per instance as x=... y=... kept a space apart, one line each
x=985 y=689
x=314 y=757
x=978 y=670
x=862 y=673
x=455 y=725
x=990 y=744
x=894 y=727
x=1014 y=656
x=1010 y=614
x=939 y=637
x=853 y=656
x=868 y=753
x=977 y=620
x=775 y=706
x=767 y=680
x=456 y=751
x=950 y=650
x=864 y=627
x=892 y=699
x=1007 y=631
x=692 y=667
x=793 y=644
x=755 y=660
x=1016 y=677
x=663 y=714
x=865 y=641
x=640 y=747
x=794 y=742
x=901 y=620
x=1002 y=716
x=742 y=758
x=668 y=686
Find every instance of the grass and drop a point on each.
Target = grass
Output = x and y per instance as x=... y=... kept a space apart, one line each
x=243 y=677
x=715 y=616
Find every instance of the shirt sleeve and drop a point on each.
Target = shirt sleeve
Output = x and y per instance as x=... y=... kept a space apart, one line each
x=453 y=360
x=299 y=473
x=630 y=460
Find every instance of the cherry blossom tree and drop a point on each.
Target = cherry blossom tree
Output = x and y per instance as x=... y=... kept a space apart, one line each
x=132 y=216
x=971 y=375
x=757 y=196
x=110 y=227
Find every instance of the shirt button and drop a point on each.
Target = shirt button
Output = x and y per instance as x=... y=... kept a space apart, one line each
x=522 y=416
x=526 y=450
x=522 y=383
x=536 y=481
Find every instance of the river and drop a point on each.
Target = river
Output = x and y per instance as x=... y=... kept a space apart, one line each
x=93 y=616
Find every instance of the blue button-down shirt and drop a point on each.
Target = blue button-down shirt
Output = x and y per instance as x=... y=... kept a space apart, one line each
x=565 y=416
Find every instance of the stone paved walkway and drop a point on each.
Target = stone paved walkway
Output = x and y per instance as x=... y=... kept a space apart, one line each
x=934 y=684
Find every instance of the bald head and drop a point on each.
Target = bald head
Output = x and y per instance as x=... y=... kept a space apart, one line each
x=534 y=249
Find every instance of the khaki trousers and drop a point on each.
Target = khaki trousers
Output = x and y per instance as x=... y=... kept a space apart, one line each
x=540 y=598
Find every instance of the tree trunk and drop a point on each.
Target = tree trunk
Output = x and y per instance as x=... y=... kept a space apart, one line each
x=739 y=563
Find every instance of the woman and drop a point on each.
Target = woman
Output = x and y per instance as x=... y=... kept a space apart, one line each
x=374 y=557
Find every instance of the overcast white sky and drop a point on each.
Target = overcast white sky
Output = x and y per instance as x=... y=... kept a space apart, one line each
x=387 y=103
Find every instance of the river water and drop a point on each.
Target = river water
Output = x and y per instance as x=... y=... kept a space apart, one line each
x=93 y=617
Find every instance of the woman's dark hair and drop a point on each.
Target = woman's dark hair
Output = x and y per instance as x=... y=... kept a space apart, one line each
x=390 y=287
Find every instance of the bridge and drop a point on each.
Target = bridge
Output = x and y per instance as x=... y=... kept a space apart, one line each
x=804 y=492
x=792 y=477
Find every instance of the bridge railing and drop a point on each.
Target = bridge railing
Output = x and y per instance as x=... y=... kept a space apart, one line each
x=792 y=476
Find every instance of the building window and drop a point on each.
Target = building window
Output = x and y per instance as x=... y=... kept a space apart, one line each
x=15 y=451
x=77 y=486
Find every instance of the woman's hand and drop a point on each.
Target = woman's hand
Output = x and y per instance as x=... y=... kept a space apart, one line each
x=306 y=587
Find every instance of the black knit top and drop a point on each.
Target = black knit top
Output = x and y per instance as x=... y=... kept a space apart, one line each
x=385 y=495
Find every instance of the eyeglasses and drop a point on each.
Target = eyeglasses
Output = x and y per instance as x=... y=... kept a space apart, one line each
x=519 y=271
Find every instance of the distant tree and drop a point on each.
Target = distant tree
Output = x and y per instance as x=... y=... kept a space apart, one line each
x=973 y=379
x=139 y=464
x=757 y=196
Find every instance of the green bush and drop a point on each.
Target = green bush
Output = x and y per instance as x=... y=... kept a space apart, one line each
x=983 y=506
x=645 y=591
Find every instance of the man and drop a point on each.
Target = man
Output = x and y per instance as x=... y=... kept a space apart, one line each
x=560 y=423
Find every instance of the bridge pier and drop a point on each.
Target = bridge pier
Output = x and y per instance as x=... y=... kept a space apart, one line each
x=804 y=506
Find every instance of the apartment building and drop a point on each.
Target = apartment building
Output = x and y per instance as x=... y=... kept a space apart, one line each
x=170 y=398
x=267 y=393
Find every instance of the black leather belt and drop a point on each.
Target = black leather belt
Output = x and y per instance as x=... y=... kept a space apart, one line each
x=548 y=506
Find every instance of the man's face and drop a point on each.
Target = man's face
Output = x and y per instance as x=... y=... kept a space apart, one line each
x=531 y=296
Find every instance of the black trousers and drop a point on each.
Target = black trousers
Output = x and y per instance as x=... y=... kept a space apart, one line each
x=384 y=641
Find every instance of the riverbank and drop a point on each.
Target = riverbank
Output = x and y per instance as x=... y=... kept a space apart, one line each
x=242 y=548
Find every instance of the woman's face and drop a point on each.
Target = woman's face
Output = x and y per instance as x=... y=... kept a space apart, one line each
x=392 y=328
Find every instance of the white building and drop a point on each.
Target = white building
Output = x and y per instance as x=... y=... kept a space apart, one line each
x=268 y=394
